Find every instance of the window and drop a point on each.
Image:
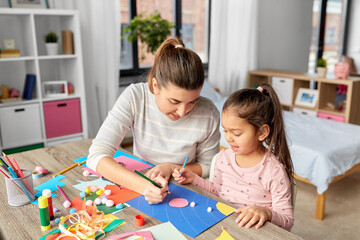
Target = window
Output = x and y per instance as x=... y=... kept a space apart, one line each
x=329 y=32
x=190 y=16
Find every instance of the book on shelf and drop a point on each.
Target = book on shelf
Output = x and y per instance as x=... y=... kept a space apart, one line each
x=29 y=88
x=10 y=53
x=14 y=99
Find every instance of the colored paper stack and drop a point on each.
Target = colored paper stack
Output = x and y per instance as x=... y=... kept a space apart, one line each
x=10 y=53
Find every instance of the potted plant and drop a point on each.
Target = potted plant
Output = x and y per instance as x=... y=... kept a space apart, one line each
x=321 y=67
x=151 y=30
x=51 y=43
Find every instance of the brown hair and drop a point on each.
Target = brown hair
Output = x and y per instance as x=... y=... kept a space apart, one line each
x=261 y=107
x=177 y=65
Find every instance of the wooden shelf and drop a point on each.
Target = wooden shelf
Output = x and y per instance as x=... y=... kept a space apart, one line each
x=327 y=90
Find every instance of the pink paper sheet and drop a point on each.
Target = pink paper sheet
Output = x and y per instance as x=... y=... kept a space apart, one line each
x=128 y=163
x=146 y=234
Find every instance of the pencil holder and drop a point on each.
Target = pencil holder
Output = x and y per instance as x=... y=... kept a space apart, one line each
x=20 y=190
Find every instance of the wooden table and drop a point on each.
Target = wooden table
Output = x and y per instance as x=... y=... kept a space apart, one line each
x=24 y=222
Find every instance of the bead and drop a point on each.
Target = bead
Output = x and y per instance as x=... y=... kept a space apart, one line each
x=192 y=204
x=89 y=202
x=97 y=201
x=109 y=203
x=67 y=204
x=120 y=206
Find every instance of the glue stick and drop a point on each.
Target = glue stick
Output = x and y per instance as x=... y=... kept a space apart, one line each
x=47 y=193
x=44 y=213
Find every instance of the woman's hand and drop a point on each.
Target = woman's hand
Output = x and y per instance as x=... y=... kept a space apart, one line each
x=186 y=176
x=154 y=194
x=252 y=215
x=163 y=169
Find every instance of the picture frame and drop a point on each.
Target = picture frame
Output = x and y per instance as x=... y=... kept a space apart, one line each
x=55 y=89
x=28 y=4
x=9 y=43
x=307 y=97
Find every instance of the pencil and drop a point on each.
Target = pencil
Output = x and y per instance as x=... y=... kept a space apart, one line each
x=146 y=178
x=72 y=166
x=7 y=176
x=13 y=174
x=10 y=164
x=3 y=163
x=62 y=193
x=186 y=159
x=22 y=175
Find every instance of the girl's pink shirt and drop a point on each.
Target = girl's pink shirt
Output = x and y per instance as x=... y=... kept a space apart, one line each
x=265 y=184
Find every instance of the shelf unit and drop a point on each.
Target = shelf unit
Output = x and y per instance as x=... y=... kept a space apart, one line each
x=28 y=28
x=287 y=85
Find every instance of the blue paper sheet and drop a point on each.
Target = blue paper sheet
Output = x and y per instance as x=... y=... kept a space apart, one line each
x=189 y=220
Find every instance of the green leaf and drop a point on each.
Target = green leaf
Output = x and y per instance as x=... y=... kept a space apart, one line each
x=151 y=30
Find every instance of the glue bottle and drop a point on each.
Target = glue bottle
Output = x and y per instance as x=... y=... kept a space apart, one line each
x=47 y=193
x=44 y=213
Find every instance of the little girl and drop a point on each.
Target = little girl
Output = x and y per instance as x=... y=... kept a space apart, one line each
x=256 y=173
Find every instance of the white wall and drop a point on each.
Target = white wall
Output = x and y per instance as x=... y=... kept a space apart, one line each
x=284 y=34
x=353 y=47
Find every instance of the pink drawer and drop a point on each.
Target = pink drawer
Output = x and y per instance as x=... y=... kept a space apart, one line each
x=331 y=117
x=62 y=118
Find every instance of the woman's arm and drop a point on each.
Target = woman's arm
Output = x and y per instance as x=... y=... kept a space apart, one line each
x=116 y=173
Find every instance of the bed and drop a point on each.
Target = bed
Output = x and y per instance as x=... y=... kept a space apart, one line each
x=323 y=151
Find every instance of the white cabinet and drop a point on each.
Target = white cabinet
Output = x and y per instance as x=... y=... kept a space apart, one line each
x=28 y=28
x=302 y=111
x=283 y=88
x=20 y=125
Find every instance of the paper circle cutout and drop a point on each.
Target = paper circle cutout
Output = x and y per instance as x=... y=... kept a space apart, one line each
x=179 y=202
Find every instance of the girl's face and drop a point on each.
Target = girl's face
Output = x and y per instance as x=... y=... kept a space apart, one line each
x=173 y=101
x=243 y=138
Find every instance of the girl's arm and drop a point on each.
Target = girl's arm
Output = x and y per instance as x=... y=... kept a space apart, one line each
x=213 y=186
x=282 y=209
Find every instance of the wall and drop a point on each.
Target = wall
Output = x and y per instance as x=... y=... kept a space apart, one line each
x=284 y=33
x=353 y=47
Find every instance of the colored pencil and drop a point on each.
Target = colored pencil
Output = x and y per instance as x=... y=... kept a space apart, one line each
x=62 y=193
x=3 y=163
x=68 y=168
x=7 y=176
x=7 y=159
x=22 y=175
x=146 y=178
x=183 y=166
x=19 y=183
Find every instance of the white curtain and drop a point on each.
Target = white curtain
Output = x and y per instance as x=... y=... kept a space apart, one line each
x=100 y=36
x=233 y=43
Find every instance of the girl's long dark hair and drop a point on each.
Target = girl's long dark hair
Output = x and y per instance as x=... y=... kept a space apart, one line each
x=261 y=107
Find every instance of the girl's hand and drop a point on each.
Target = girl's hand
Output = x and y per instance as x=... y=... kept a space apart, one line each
x=153 y=194
x=164 y=170
x=187 y=176
x=252 y=215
